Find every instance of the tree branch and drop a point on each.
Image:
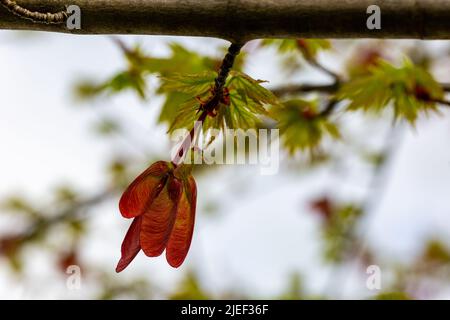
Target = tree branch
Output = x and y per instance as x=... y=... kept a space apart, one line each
x=446 y=87
x=324 y=69
x=241 y=20
x=442 y=102
x=321 y=88
x=304 y=88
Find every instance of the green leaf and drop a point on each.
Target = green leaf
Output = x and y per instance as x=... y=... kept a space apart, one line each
x=301 y=126
x=393 y=296
x=436 y=252
x=131 y=79
x=242 y=113
x=187 y=114
x=192 y=84
x=409 y=89
x=338 y=230
x=140 y=65
x=107 y=127
x=247 y=87
x=309 y=48
x=127 y=80
x=183 y=62
x=247 y=101
x=180 y=60
x=171 y=106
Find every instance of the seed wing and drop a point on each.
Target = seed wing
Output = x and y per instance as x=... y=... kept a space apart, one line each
x=130 y=245
x=142 y=191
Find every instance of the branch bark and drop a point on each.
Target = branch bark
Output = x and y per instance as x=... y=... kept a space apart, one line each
x=242 y=20
x=322 y=88
x=304 y=88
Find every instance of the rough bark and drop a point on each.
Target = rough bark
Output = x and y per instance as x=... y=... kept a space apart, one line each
x=247 y=19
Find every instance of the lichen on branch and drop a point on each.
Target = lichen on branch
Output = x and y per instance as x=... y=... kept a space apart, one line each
x=35 y=16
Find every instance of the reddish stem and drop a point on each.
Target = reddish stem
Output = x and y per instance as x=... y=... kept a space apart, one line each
x=187 y=142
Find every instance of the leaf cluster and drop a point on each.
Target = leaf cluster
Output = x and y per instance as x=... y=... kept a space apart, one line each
x=408 y=89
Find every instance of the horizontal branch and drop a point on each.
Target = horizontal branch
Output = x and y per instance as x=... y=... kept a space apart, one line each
x=242 y=20
x=304 y=88
x=332 y=88
x=446 y=87
x=321 y=88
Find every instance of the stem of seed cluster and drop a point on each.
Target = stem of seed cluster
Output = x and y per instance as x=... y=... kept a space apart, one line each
x=213 y=102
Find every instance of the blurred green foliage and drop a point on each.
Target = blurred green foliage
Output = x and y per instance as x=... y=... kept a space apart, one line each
x=411 y=89
x=301 y=125
x=185 y=78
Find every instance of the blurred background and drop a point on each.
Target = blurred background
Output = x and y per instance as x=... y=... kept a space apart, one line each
x=378 y=196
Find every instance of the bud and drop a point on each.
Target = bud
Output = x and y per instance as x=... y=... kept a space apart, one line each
x=421 y=93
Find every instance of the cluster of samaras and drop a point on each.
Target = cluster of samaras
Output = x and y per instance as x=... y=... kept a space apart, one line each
x=162 y=202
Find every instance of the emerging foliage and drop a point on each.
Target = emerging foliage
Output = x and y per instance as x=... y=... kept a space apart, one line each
x=409 y=88
x=244 y=101
x=301 y=126
x=131 y=79
x=308 y=47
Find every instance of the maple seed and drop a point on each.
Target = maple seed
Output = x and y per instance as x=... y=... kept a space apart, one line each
x=162 y=201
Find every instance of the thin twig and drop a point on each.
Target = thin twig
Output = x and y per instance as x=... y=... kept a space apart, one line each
x=330 y=107
x=324 y=69
x=442 y=102
x=375 y=192
x=76 y=209
x=305 y=88
x=322 y=88
x=446 y=87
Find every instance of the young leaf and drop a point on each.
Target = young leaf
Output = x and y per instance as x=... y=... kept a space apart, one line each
x=180 y=60
x=140 y=65
x=192 y=84
x=131 y=79
x=411 y=89
x=309 y=48
x=187 y=114
x=301 y=127
x=247 y=87
x=245 y=103
x=242 y=113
